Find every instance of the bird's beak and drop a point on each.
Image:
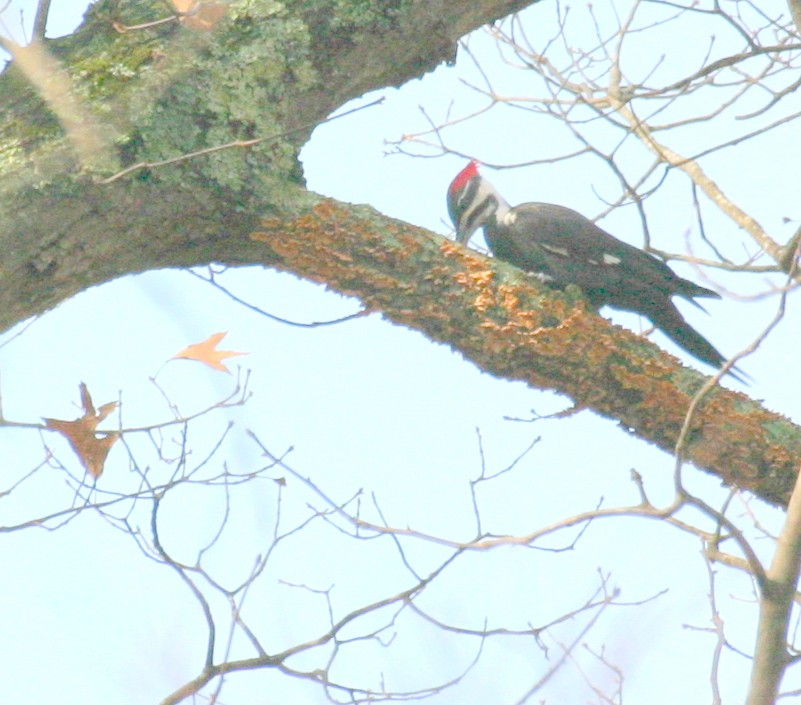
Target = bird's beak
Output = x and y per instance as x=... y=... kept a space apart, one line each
x=463 y=236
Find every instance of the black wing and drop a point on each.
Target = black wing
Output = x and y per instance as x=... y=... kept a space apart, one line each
x=567 y=248
x=571 y=249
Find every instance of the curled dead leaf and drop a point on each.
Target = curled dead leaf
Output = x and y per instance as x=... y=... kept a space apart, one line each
x=199 y=14
x=207 y=353
x=90 y=446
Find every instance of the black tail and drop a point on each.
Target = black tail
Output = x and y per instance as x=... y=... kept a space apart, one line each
x=689 y=290
x=668 y=319
x=670 y=322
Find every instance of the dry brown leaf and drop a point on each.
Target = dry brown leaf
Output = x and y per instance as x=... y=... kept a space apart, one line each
x=207 y=353
x=90 y=447
x=197 y=14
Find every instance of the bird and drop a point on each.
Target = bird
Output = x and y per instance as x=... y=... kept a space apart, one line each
x=559 y=246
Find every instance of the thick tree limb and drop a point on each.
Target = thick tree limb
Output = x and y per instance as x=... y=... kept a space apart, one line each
x=62 y=231
x=501 y=320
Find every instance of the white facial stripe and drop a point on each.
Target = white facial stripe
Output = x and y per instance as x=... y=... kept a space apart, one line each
x=479 y=201
x=478 y=213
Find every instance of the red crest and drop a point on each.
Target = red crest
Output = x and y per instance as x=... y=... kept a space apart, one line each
x=469 y=172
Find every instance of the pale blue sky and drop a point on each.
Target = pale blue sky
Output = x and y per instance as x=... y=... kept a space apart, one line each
x=369 y=405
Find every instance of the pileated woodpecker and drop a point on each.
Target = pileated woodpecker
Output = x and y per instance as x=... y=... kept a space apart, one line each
x=563 y=247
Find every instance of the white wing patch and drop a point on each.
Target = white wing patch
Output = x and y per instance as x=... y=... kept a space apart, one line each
x=542 y=277
x=561 y=251
x=611 y=259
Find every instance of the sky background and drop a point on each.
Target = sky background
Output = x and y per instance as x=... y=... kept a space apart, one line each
x=366 y=405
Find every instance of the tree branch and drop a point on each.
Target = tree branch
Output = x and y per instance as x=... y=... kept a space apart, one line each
x=771 y=657
x=40 y=21
x=62 y=231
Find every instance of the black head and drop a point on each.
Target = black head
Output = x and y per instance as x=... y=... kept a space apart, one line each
x=472 y=202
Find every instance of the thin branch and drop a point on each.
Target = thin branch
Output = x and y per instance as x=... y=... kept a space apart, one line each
x=40 y=20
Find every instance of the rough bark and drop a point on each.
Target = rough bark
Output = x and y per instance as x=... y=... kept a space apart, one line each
x=157 y=93
x=795 y=11
x=275 y=72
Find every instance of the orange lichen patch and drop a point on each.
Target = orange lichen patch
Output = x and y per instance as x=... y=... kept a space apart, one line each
x=627 y=378
x=515 y=331
x=449 y=248
x=480 y=280
x=329 y=210
x=509 y=298
x=259 y=236
x=656 y=397
x=498 y=342
x=386 y=282
x=384 y=256
x=475 y=280
x=467 y=260
x=722 y=426
x=313 y=238
x=485 y=301
x=437 y=273
x=558 y=338
x=409 y=244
